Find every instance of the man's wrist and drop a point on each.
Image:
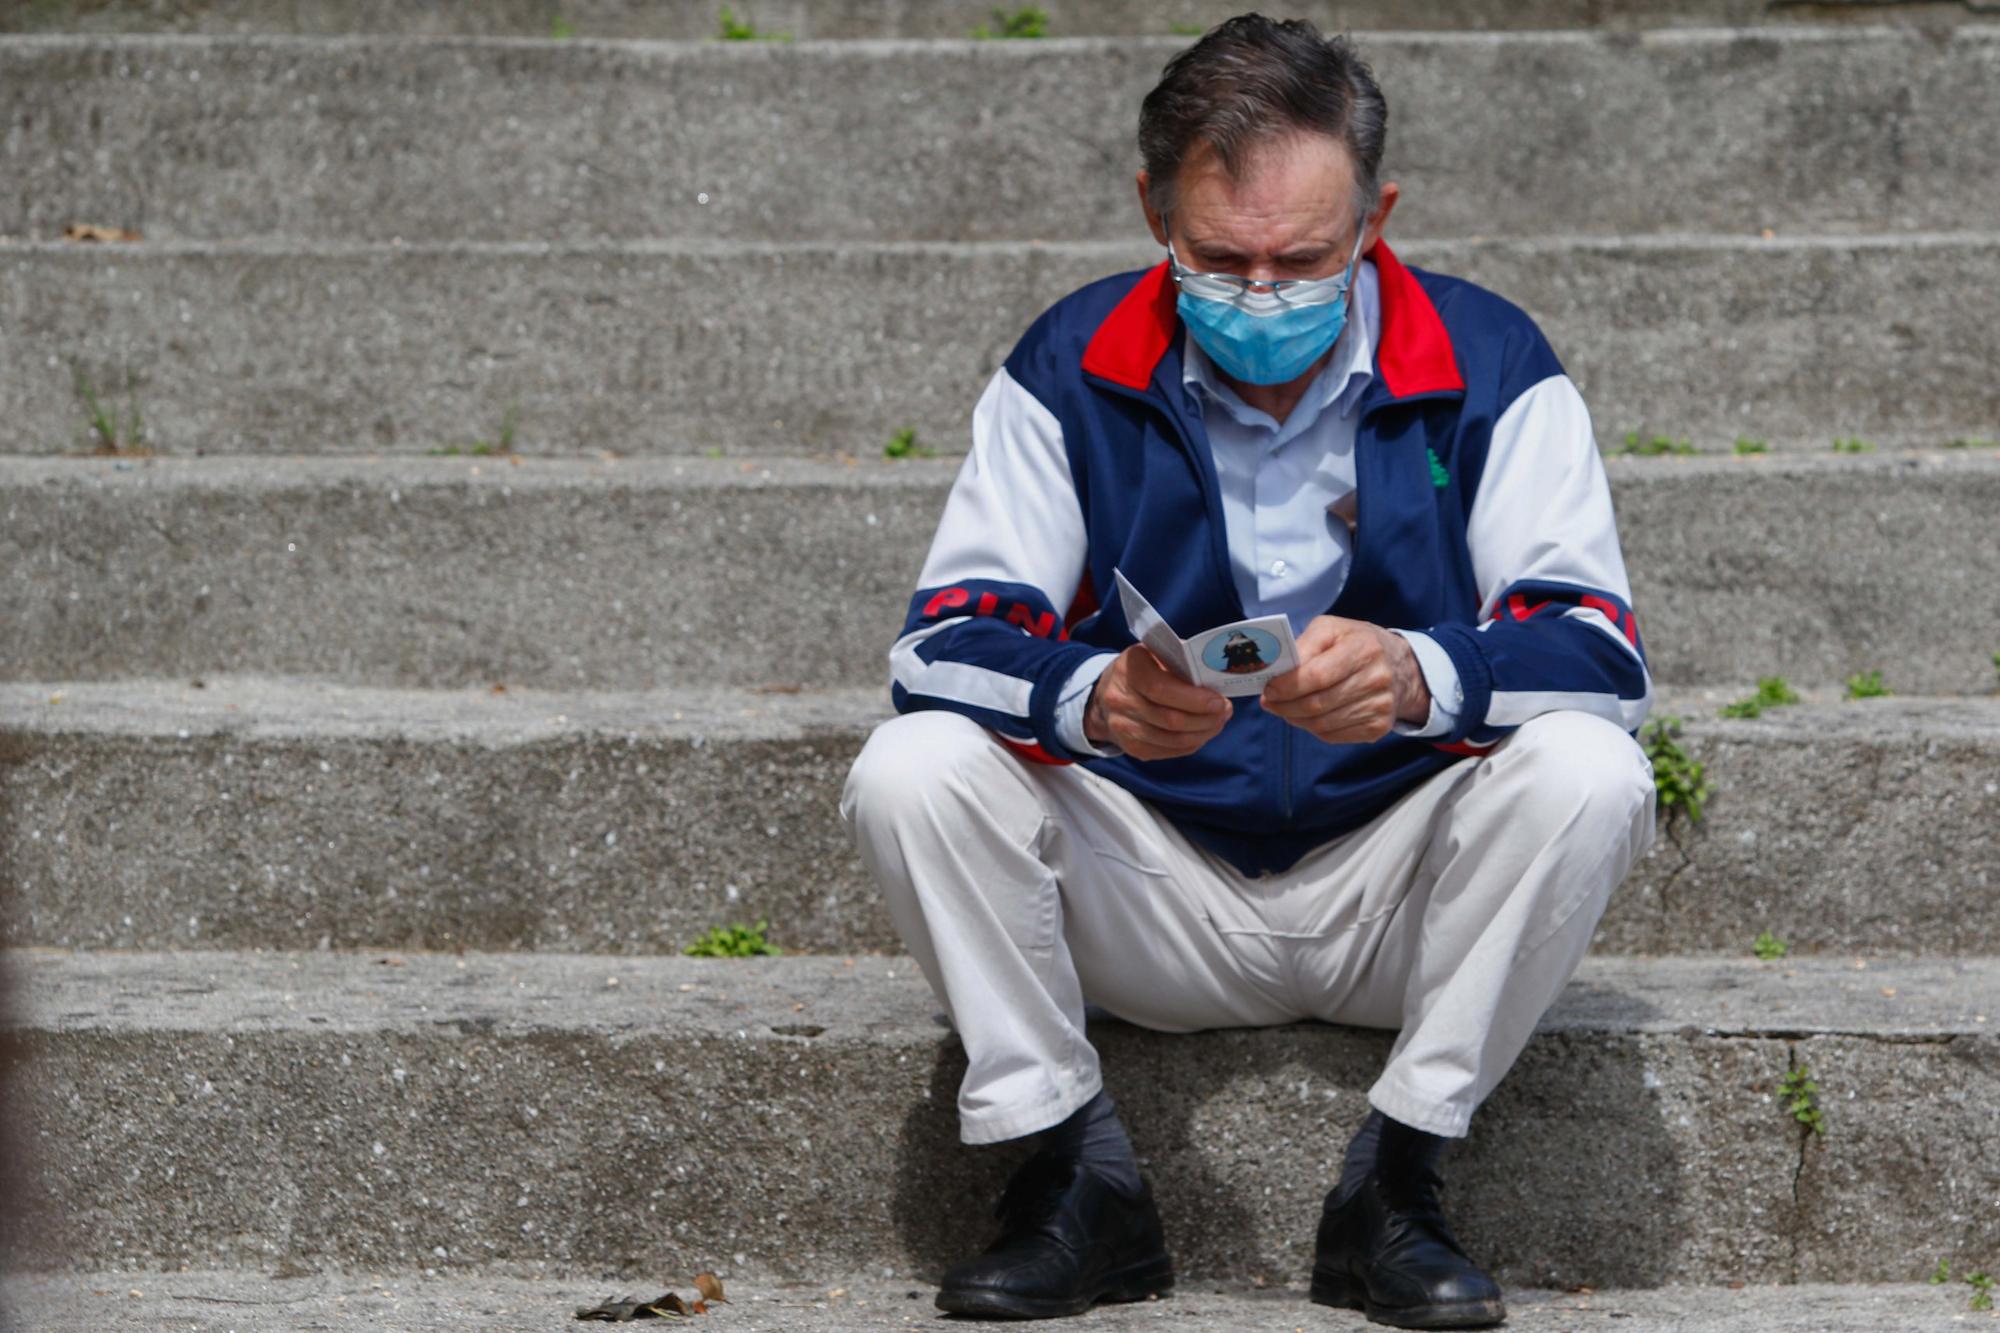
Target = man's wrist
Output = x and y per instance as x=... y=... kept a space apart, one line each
x=1094 y=729
x=1413 y=694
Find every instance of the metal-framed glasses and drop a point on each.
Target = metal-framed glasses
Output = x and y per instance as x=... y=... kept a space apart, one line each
x=1233 y=288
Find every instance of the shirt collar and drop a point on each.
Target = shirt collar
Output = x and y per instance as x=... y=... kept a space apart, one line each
x=1339 y=383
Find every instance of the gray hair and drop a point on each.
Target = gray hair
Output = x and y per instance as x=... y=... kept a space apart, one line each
x=1252 y=79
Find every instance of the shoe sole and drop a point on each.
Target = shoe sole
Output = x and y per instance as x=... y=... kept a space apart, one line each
x=1138 y=1282
x=1342 y=1294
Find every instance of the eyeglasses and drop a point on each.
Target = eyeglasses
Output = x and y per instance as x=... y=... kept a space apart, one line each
x=1288 y=291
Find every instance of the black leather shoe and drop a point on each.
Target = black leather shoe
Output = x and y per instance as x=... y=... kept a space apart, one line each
x=1387 y=1251
x=1068 y=1240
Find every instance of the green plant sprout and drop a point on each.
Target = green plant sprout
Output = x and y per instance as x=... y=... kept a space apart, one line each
x=1853 y=446
x=1679 y=780
x=1798 y=1090
x=1185 y=29
x=1772 y=692
x=1867 y=685
x=509 y=425
x=1749 y=446
x=1982 y=1291
x=561 y=29
x=1025 y=22
x=1943 y=1273
x=103 y=422
x=743 y=30
x=903 y=444
x=1768 y=946
x=1966 y=443
x=737 y=941
x=1655 y=445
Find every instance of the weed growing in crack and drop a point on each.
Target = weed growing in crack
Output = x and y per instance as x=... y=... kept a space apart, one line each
x=1678 y=778
x=1772 y=692
x=1943 y=1273
x=1867 y=685
x=743 y=30
x=106 y=439
x=904 y=444
x=738 y=941
x=1768 y=946
x=1799 y=1091
x=1982 y=1291
x=1653 y=446
x=1026 y=22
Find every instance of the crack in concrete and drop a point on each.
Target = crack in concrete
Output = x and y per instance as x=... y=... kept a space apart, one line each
x=1798 y=1171
x=1674 y=823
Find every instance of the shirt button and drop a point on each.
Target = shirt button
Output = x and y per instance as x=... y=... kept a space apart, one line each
x=1277 y=567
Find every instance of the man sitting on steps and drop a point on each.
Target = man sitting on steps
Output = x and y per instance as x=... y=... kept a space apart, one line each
x=1417 y=828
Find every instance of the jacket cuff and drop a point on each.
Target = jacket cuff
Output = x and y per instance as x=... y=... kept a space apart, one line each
x=1440 y=680
x=1475 y=679
x=1074 y=699
x=1052 y=687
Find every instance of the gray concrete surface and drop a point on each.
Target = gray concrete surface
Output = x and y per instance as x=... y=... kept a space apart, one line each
x=648 y=348
x=821 y=19
x=628 y=574
x=250 y=1301
x=1838 y=129
x=258 y=814
x=522 y=1114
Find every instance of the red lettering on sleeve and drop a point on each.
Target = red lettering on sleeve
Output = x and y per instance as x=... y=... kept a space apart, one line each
x=946 y=597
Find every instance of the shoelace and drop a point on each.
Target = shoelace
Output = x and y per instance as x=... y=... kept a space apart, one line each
x=1412 y=1196
x=1032 y=1193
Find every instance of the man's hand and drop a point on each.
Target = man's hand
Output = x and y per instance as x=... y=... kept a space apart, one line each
x=1352 y=682
x=1148 y=711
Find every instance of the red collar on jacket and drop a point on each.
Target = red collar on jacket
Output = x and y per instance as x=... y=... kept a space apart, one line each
x=1413 y=354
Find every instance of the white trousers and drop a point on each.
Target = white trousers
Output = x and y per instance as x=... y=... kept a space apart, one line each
x=1025 y=891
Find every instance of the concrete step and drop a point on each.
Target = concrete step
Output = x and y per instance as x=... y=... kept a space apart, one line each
x=685 y=20
x=443 y=1303
x=537 y=1113
x=259 y=814
x=1799 y=129
x=634 y=574
x=753 y=349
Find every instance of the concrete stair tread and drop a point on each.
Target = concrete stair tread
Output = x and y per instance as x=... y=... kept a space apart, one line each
x=278 y=707
x=1801 y=128
x=118 y=1301
x=822 y=20
x=675 y=347
x=261 y=812
x=627 y=573
x=880 y=997
x=509 y=1112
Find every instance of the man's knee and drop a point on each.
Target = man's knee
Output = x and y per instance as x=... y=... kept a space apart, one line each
x=910 y=762
x=1583 y=775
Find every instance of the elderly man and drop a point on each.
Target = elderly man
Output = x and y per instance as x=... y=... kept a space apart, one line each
x=1415 y=828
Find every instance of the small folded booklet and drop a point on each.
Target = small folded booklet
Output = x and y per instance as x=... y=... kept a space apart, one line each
x=1235 y=659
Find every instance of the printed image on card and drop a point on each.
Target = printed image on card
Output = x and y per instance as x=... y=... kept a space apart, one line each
x=1235 y=660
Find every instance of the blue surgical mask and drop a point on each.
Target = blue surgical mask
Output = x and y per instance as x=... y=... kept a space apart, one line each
x=1264 y=337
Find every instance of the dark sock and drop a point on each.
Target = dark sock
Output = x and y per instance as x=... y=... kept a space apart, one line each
x=1382 y=1139
x=1095 y=1136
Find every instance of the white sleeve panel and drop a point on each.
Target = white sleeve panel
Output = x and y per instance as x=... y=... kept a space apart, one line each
x=1013 y=514
x=1543 y=510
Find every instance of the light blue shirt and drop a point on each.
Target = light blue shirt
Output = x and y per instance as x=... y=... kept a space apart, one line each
x=1289 y=553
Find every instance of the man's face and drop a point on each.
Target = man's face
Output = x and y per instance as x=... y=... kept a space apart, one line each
x=1288 y=214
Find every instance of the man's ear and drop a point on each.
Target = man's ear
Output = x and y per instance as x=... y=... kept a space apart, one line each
x=1153 y=220
x=1379 y=219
